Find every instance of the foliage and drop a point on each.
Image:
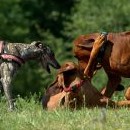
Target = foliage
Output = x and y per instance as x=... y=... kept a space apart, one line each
x=96 y=16
x=14 y=27
x=28 y=20
x=57 y=23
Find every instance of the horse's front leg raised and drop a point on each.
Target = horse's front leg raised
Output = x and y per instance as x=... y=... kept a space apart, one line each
x=6 y=78
x=113 y=82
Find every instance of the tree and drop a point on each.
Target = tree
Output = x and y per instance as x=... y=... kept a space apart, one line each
x=88 y=16
x=28 y=20
x=97 y=16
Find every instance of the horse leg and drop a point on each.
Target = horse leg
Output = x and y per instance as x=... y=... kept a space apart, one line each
x=6 y=78
x=113 y=82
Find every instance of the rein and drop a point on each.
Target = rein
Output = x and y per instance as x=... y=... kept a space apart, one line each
x=9 y=57
x=73 y=88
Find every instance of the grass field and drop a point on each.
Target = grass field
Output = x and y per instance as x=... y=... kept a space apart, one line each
x=30 y=116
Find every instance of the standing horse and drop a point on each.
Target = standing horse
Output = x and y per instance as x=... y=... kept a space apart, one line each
x=114 y=56
x=13 y=55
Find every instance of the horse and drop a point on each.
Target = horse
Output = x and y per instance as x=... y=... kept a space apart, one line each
x=113 y=56
x=71 y=90
x=13 y=55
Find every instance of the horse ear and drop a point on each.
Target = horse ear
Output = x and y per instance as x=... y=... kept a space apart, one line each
x=87 y=43
x=37 y=44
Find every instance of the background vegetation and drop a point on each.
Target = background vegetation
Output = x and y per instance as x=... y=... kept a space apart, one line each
x=30 y=116
x=57 y=23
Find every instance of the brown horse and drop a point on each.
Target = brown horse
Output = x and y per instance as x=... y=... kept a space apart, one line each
x=114 y=57
x=71 y=90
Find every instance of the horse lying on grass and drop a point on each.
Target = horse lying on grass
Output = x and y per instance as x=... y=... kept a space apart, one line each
x=71 y=90
x=13 y=55
x=113 y=56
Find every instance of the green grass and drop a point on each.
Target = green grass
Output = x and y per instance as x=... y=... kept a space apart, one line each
x=29 y=115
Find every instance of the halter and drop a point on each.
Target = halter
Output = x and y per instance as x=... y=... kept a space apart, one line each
x=9 y=57
x=73 y=88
